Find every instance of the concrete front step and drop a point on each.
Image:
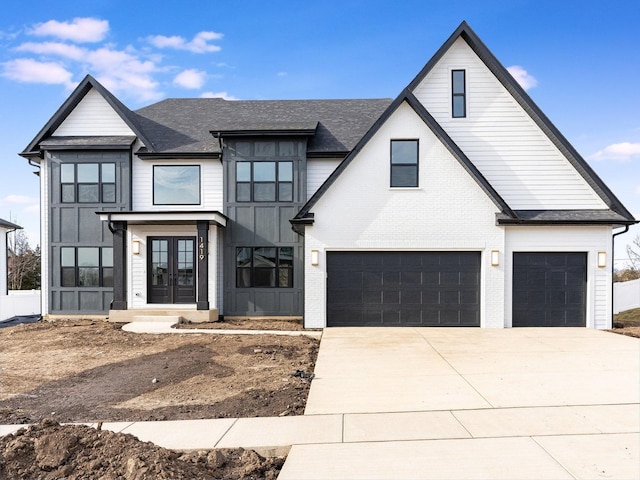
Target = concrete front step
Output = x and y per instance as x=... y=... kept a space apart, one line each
x=163 y=315
x=157 y=318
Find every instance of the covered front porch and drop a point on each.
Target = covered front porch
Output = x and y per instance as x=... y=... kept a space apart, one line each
x=166 y=264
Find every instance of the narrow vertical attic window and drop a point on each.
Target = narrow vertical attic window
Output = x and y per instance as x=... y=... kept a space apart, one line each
x=404 y=163
x=458 y=94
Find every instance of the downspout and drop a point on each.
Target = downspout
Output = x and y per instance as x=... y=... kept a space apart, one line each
x=613 y=245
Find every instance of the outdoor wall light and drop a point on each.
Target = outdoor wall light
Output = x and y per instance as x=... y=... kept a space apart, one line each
x=602 y=259
x=495 y=258
x=315 y=258
x=135 y=247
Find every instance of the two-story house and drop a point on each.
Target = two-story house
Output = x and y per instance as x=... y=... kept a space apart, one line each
x=457 y=203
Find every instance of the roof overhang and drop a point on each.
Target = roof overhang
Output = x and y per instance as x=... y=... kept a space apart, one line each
x=165 y=218
x=88 y=143
x=9 y=225
x=564 y=217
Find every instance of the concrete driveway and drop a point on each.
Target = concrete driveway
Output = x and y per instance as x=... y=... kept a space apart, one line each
x=475 y=403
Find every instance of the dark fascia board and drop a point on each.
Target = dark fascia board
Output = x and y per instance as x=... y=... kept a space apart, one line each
x=525 y=101
x=5 y=224
x=405 y=96
x=318 y=154
x=294 y=132
x=178 y=155
x=33 y=150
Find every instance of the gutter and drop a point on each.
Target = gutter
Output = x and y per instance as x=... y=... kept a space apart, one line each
x=613 y=245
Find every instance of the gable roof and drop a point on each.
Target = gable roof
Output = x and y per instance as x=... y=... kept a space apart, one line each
x=33 y=149
x=185 y=125
x=305 y=217
x=618 y=213
x=465 y=32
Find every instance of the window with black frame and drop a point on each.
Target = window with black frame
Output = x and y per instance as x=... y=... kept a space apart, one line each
x=176 y=184
x=86 y=266
x=267 y=267
x=404 y=163
x=258 y=181
x=88 y=182
x=458 y=94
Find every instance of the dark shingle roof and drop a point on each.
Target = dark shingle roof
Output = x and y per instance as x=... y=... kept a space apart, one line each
x=6 y=224
x=565 y=217
x=185 y=125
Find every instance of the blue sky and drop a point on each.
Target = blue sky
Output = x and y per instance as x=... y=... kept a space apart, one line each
x=578 y=60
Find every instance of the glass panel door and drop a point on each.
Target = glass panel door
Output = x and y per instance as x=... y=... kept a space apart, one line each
x=171 y=270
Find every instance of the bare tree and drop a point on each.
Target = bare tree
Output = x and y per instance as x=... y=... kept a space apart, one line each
x=24 y=262
x=633 y=251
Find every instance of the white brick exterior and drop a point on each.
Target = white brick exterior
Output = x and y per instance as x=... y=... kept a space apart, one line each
x=448 y=211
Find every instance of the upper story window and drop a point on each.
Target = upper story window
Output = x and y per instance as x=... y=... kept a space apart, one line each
x=88 y=182
x=86 y=266
x=260 y=181
x=176 y=185
x=458 y=94
x=404 y=163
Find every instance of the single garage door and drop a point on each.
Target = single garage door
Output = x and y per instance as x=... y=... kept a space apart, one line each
x=549 y=289
x=403 y=288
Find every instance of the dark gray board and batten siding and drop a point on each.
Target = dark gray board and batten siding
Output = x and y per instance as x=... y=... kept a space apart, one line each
x=263 y=224
x=77 y=225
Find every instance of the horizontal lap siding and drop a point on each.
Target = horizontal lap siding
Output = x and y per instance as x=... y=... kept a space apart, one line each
x=318 y=170
x=210 y=185
x=93 y=116
x=499 y=137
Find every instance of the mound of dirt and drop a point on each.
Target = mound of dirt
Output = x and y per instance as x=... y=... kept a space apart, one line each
x=48 y=450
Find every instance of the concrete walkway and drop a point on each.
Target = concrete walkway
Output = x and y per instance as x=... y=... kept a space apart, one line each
x=418 y=403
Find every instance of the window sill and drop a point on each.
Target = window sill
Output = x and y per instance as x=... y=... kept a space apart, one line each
x=394 y=189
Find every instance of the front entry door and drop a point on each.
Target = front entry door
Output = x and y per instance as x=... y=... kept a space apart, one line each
x=172 y=274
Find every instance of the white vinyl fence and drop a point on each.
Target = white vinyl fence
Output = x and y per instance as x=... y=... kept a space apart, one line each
x=626 y=295
x=19 y=302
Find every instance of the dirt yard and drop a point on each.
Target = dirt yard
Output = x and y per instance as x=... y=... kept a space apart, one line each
x=87 y=371
x=627 y=323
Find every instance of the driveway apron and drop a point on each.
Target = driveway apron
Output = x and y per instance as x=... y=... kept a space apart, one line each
x=475 y=403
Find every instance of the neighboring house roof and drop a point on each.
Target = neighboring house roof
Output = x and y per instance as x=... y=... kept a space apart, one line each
x=617 y=214
x=5 y=224
x=186 y=125
x=33 y=149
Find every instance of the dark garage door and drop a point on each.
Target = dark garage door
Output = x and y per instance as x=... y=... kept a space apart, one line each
x=403 y=288
x=549 y=289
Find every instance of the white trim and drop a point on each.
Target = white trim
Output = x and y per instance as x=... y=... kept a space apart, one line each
x=134 y=218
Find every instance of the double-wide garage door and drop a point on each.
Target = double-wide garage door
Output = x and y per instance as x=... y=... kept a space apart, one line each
x=403 y=288
x=549 y=289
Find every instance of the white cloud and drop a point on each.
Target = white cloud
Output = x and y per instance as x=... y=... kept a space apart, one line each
x=54 y=48
x=199 y=43
x=622 y=152
x=193 y=79
x=78 y=30
x=524 y=78
x=16 y=199
x=224 y=95
x=26 y=70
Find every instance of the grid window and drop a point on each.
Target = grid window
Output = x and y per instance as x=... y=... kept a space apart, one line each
x=86 y=267
x=458 y=94
x=88 y=183
x=404 y=163
x=266 y=267
x=264 y=181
